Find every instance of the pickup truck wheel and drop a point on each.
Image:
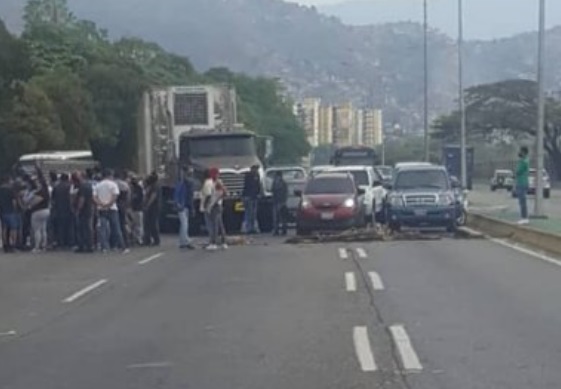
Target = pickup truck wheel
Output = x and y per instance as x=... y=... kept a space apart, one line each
x=493 y=188
x=546 y=193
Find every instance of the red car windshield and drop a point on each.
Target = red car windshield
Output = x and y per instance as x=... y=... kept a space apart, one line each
x=330 y=185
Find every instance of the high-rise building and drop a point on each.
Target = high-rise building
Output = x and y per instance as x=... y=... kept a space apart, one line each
x=373 y=134
x=343 y=125
x=358 y=136
x=308 y=113
x=326 y=125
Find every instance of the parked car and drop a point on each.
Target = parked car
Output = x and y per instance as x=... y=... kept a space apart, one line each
x=422 y=196
x=330 y=201
x=401 y=165
x=532 y=184
x=502 y=179
x=370 y=181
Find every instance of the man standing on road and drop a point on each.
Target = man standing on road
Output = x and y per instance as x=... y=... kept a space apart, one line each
x=62 y=209
x=280 y=197
x=105 y=195
x=84 y=213
x=183 y=196
x=8 y=215
x=251 y=192
x=522 y=172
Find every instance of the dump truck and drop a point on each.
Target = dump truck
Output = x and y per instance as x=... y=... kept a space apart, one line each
x=197 y=126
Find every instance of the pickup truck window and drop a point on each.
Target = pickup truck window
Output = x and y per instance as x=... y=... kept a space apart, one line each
x=430 y=179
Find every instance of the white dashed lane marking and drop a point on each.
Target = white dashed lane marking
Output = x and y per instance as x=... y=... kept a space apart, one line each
x=409 y=359
x=363 y=349
x=84 y=291
x=350 y=282
x=376 y=281
x=343 y=253
x=150 y=259
x=361 y=253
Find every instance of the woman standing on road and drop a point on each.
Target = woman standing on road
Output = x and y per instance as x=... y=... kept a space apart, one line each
x=39 y=208
x=207 y=195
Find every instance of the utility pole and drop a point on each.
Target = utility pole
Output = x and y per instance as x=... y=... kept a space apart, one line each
x=538 y=205
x=426 y=80
x=461 y=93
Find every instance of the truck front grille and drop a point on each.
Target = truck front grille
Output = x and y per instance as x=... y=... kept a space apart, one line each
x=415 y=200
x=233 y=183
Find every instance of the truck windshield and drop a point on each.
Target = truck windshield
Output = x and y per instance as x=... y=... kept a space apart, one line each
x=412 y=179
x=227 y=146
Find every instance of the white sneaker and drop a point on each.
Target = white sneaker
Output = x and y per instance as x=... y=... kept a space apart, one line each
x=212 y=247
x=125 y=251
x=523 y=222
x=224 y=246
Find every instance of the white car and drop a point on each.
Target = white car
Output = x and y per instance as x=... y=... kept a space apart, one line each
x=369 y=180
x=315 y=170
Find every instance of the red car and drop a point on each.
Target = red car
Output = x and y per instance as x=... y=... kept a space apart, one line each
x=329 y=202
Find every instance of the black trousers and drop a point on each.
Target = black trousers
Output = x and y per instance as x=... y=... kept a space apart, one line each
x=64 y=224
x=152 y=227
x=84 y=232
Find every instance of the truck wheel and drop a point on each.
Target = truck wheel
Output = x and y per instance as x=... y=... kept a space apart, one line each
x=395 y=227
x=493 y=188
x=546 y=193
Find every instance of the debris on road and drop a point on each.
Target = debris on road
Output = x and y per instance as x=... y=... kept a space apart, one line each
x=365 y=235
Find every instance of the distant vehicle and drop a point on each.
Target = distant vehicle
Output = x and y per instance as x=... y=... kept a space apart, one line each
x=57 y=161
x=452 y=160
x=367 y=179
x=422 y=196
x=315 y=170
x=289 y=173
x=355 y=156
x=329 y=202
x=532 y=184
x=502 y=179
x=401 y=165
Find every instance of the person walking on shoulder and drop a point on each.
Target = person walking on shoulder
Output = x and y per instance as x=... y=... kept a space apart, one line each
x=522 y=172
x=183 y=198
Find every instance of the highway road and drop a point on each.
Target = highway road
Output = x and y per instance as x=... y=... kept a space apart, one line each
x=481 y=197
x=461 y=314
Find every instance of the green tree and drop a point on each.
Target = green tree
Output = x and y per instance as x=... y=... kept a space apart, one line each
x=37 y=12
x=74 y=106
x=32 y=124
x=506 y=110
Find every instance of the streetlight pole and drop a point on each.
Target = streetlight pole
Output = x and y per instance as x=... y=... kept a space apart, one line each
x=426 y=80
x=538 y=205
x=461 y=93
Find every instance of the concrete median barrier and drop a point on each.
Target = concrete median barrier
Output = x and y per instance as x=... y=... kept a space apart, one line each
x=497 y=228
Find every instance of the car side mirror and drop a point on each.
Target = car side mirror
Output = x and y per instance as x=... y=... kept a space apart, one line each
x=298 y=193
x=361 y=191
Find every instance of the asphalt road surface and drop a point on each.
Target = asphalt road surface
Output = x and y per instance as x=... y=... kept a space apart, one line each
x=446 y=314
x=481 y=197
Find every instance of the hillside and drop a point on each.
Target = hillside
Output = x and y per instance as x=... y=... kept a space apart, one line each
x=480 y=15
x=317 y=55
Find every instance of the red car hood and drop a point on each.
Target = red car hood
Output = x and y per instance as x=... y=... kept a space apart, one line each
x=327 y=201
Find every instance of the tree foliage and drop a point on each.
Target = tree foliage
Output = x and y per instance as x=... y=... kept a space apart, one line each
x=65 y=84
x=504 y=112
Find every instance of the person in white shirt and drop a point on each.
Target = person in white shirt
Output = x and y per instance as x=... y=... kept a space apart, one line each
x=208 y=206
x=106 y=194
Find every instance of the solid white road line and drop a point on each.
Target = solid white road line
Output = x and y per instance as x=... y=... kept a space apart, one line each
x=527 y=251
x=150 y=365
x=350 y=282
x=363 y=350
x=409 y=358
x=84 y=291
x=377 y=283
x=343 y=254
x=361 y=253
x=8 y=333
x=150 y=259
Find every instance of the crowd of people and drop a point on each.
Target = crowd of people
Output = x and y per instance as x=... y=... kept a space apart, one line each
x=83 y=211
x=97 y=210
